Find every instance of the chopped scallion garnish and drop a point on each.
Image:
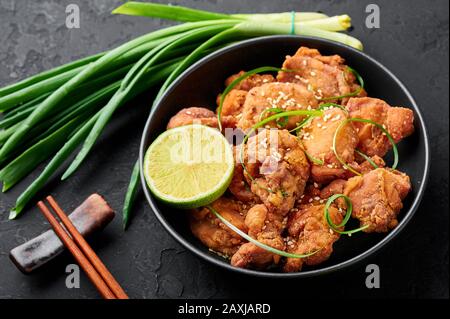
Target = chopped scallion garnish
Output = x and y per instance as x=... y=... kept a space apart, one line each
x=347 y=216
x=354 y=119
x=256 y=242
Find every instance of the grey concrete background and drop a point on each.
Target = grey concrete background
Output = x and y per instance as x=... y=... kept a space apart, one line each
x=412 y=42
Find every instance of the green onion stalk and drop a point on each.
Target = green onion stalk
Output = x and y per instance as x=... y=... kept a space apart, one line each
x=48 y=116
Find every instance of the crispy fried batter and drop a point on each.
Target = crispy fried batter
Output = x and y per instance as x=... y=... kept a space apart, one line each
x=317 y=139
x=233 y=103
x=239 y=186
x=377 y=198
x=325 y=76
x=250 y=82
x=265 y=227
x=309 y=232
x=199 y=115
x=335 y=187
x=278 y=169
x=397 y=120
x=213 y=233
x=285 y=96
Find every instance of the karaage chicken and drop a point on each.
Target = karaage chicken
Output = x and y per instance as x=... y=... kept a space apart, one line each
x=284 y=175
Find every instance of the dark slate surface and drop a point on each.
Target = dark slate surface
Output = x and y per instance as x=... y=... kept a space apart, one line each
x=412 y=42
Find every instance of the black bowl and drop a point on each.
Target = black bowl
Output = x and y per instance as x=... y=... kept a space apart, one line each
x=199 y=86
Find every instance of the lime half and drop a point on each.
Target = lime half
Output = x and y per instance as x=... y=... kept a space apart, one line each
x=189 y=166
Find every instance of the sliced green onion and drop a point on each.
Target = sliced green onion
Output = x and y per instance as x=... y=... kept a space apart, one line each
x=48 y=74
x=27 y=161
x=285 y=17
x=355 y=93
x=309 y=118
x=90 y=70
x=275 y=110
x=256 y=242
x=130 y=81
x=131 y=195
x=367 y=158
x=177 y=13
x=80 y=134
x=260 y=28
x=347 y=216
x=313 y=159
x=355 y=119
x=327 y=105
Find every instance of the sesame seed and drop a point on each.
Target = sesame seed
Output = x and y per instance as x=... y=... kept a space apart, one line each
x=337 y=117
x=312 y=73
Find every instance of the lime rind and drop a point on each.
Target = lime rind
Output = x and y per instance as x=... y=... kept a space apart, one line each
x=202 y=198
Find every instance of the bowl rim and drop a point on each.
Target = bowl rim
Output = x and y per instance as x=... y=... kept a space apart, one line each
x=302 y=274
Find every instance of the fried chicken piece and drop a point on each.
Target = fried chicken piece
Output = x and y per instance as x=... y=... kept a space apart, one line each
x=199 y=115
x=233 y=103
x=212 y=232
x=265 y=227
x=377 y=198
x=309 y=232
x=366 y=166
x=398 y=121
x=277 y=169
x=239 y=186
x=317 y=138
x=335 y=187
x=250 y=82
x=285 y=96
x=325 y=76
x=310 y=195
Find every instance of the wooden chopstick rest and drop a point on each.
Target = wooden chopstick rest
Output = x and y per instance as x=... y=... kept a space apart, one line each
x=91 y=216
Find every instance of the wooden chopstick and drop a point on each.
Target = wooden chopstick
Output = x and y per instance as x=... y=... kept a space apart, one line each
x=109 y=289
x=87 y=250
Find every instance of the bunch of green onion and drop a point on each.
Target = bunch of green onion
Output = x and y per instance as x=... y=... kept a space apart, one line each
x=52 y=114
